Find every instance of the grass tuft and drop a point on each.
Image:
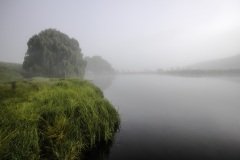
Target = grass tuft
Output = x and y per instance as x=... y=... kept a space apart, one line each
x=53 y=119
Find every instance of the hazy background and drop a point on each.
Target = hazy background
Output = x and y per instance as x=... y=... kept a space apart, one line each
x=130 y=34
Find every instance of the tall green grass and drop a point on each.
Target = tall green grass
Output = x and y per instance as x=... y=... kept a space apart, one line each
x=54 y=119
x=10 y=71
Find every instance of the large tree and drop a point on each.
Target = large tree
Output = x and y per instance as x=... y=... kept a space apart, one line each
x=52 y=53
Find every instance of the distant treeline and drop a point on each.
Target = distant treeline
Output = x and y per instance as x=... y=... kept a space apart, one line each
x=136 y=72
x=198 y=72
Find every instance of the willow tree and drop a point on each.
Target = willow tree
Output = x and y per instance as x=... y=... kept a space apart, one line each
x=52 y=53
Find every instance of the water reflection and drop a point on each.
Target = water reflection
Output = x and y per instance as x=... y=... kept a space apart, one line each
x=234 y=79
x=99 y=152
x=172 y=118
x=166 y=117
x=102 y=81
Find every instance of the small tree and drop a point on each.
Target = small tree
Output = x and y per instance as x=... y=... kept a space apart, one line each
x=53 y=54
x=98 y=65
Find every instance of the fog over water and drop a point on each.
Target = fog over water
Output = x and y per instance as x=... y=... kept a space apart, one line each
x=175 y=117
x=132 y=35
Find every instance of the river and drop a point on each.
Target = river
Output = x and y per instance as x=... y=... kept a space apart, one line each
x=169 y=117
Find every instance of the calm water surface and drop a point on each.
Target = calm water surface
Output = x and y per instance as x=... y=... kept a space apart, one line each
x=167 y=117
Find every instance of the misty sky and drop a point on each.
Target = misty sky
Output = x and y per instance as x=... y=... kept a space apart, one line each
x=131 y=34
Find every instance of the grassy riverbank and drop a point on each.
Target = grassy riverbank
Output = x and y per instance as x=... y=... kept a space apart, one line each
x=53 y=119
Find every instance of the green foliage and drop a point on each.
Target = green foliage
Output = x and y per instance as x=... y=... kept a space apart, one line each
x=10 y=71
x=98 y=65
x=53 y=119
x=53 y=54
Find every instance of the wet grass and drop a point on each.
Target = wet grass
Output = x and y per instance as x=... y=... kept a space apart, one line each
x=10 y=71
x=53 y=119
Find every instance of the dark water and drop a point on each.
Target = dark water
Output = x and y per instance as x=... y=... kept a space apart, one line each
x=164 y=117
